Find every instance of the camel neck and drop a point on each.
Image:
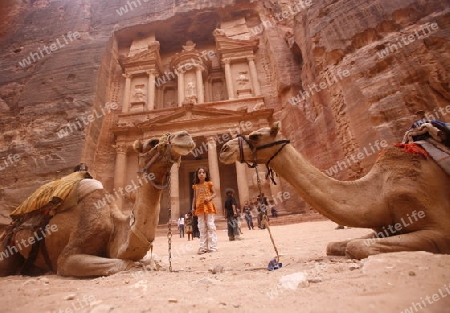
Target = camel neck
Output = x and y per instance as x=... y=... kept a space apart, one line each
x=146 y=210
x=137 y=239
x=339 y=201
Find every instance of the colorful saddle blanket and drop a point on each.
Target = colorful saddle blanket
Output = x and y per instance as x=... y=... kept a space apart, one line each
x=434 y=137
x=57 y=189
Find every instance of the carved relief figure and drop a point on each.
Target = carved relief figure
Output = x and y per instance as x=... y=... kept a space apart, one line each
x=189 y=46
x=218 y=91
x=139 y=93
x=169 y=99
x=190 y=89
x=242 y=79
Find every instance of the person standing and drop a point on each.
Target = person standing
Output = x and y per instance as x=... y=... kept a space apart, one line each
x=195 y=230
x=248 y=215
x=204 y=208
x=181 y=226
x=231 y=215
x=261 y=208
x=188 y=225
x=239 y=220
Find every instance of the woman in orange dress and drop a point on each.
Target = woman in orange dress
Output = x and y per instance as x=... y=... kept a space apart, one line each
x=204 y=208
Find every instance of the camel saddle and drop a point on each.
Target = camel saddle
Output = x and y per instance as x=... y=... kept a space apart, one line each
x=434 y=137
x=36 y=211
x=52 y=194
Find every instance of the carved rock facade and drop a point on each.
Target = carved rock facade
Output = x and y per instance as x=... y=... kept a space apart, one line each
x=338 y=74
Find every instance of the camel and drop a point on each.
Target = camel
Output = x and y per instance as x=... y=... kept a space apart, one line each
x=91 y=240
x=404 y=198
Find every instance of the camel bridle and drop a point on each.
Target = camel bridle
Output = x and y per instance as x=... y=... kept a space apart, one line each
x=163 y=149
x=282 y=143
x=254 y=149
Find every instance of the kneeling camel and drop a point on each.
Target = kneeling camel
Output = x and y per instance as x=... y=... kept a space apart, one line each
x=404 y=198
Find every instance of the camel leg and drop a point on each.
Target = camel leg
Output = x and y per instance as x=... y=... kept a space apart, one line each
x=84 y=255
x=415 y=241
x=340 y=247
x=84 y=265
x=10 y=263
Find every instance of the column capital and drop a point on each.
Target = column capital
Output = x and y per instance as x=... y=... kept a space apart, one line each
x=227 y=61
x=251 y=58
x=121 y=148
x=211 y=140
x=154 y=72
x=126 y=75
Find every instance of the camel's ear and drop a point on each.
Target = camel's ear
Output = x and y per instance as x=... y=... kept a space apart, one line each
x=137 y=145
x=149 y=144
x=275 y=128
x=153 y=142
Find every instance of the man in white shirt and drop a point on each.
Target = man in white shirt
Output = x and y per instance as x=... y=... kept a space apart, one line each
x=181 y=226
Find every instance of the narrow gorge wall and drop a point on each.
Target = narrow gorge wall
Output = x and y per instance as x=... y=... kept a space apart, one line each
x=397 y=60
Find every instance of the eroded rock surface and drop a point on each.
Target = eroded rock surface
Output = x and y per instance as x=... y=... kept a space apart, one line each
x=342 y=76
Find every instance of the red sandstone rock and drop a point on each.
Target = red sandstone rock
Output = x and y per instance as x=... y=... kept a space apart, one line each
x=376 y=101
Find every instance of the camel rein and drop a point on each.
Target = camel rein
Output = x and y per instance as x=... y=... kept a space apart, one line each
x=254 y=149
x=169 y=161
x=242 y=139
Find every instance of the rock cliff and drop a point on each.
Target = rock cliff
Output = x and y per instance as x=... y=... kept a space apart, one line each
x=343 y=76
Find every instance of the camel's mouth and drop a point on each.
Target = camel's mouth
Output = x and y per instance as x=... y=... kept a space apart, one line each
x=183 y=149
x=181 y=143
x=227 y=154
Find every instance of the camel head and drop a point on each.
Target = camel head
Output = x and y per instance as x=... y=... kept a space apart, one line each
x=165 y=150
x=242 y=149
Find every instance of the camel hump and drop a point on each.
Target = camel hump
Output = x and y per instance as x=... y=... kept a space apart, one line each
x=53 y=192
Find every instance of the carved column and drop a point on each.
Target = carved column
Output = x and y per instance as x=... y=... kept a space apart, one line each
x=254 y=76
x=160 y=94
x=207 y=97
x=213 y=164
x=180 y=89
x=200 y=88
x=151 y=90
x=242 y=182
x=229 y=79
x=175 y=191
x=210 y=90
x=126 y=94
x=120 y=172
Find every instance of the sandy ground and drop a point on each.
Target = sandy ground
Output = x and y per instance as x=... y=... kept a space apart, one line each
x=236 y=279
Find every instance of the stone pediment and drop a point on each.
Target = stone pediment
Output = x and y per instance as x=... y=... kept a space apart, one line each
x=197 y=115
x=147 y=58
x=225 y=44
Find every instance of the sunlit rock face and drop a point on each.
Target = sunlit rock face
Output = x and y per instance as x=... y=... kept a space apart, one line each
x=345 y=78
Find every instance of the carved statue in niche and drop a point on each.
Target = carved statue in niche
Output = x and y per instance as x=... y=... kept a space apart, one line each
x=189 y=46
x=242 y=80
x=139 y=93
x=218 y=92
x=218 y=95
x=191 y=93
x=190 y=89
x=243 y=89
x=169 y=99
